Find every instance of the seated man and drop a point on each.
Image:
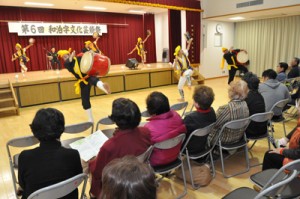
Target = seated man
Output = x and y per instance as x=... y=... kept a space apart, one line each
x=281 y=68
x=273 y=91
x=163 y=124
x=294 y=72
x=202 y=117
x=49 y=163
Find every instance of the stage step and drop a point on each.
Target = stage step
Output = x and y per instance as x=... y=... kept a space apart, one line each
x=4 y=91
x=6 y=100
x=4 y=85
x=11 y=108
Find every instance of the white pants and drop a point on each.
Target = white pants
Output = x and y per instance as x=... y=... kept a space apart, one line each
x=187 y=74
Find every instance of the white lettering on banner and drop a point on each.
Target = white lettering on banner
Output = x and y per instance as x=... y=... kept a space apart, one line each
x=55 y=29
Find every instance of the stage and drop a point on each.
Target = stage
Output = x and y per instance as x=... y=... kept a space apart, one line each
x=39 y=87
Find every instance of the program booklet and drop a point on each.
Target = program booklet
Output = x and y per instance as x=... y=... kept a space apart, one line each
x=89 y=146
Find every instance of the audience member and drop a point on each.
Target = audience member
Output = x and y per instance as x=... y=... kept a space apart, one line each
x=294 y=72
x=49 y=163
x=273 y=91
x=204 y=115
x=281 y=68
x=128 y=139
x=127 y=178
x=163 y=124
x=256 y=104
x=282 y=155
x=235 y=109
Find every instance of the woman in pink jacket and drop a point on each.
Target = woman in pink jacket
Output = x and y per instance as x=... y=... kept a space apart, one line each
x=163 y=124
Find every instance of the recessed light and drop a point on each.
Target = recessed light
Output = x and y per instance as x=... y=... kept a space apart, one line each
x=237 y=18
x=137 y=11
x=94 y=8
x=38 y=4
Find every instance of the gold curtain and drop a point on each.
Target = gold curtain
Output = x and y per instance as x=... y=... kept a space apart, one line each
x=269 y=41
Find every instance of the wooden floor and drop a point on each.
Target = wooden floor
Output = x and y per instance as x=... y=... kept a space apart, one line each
x=15 y=126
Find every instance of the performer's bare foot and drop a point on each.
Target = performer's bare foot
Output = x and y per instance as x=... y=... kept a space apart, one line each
x=180 y=100
x=107 y=88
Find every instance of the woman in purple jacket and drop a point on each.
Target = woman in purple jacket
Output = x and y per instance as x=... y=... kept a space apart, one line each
x=163 y=124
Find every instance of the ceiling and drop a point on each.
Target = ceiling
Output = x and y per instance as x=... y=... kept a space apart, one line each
x=261 y=14
x=79 y=4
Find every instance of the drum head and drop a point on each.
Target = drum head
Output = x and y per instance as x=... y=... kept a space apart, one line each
x=86 y=62
x=242 y=57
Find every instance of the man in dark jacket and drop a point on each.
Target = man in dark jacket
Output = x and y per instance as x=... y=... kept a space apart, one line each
x=294 y=72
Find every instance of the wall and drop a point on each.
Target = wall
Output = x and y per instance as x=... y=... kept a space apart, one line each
x=161 y=34
x=214 y=8
x=210 y=55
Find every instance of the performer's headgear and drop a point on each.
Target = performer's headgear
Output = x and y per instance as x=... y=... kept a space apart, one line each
x=224 y=49
x=18 y=45
x=139 y=39
x=177 y=49
x=61 y=53
x=87 y=42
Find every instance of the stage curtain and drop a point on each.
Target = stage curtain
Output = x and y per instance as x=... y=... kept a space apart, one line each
x=269 y=41
x=149 y=24
x=193 y=24
x=174 y=31
x=119 y=40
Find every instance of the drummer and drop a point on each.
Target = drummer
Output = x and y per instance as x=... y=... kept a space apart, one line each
x=232 y=64
x=84 y=83
x=88 y=45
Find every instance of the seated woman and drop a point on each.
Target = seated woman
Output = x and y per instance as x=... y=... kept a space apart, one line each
x=128 y=178
x=128 y=139
x=278 y=157
x=256 y=104
x=202 y=117
x=49 y=163
x=234 y=110
x=163 y=125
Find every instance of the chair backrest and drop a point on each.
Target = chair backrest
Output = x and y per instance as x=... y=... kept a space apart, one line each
x=180 y=106
x=262 y=117
x=170 y=143
x=109 y=132
x=274 y=189
x=144 y=157
x=61 y=189
x=145 y=114
x=280 y=104
x=26 y=141
x=104 y=121
x=240 y=124
x=79 y=128
x=199 y=133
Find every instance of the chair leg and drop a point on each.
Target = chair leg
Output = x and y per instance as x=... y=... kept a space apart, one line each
x=184 y=182
x=222 y=162
x=252 y=145
x=212 y=165
x=284 y=130
x=191 y=172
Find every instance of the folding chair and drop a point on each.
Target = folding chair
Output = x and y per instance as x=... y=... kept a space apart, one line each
x=261 y=117
x=237 y=126
x=20 y=142
x=168 y=144
x=61 y=189
x=269 y=191
x=144 y=157
x=180 y=106
x=292 y=190
x=74 y=129
x=108 y=131
x=145 y=114
x=279 y=106
x=208 y=151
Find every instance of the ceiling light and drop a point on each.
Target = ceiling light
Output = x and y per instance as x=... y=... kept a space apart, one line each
x=38 y=4
x=137 y=11
x=236 y=18
x=94 y=8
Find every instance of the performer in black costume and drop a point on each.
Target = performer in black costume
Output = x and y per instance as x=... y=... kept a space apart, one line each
x=232 y=64
x=53 y=58
x=84 y=83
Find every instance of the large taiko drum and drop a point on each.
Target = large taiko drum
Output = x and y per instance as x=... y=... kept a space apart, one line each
x=242 y=57
x=94 y=64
